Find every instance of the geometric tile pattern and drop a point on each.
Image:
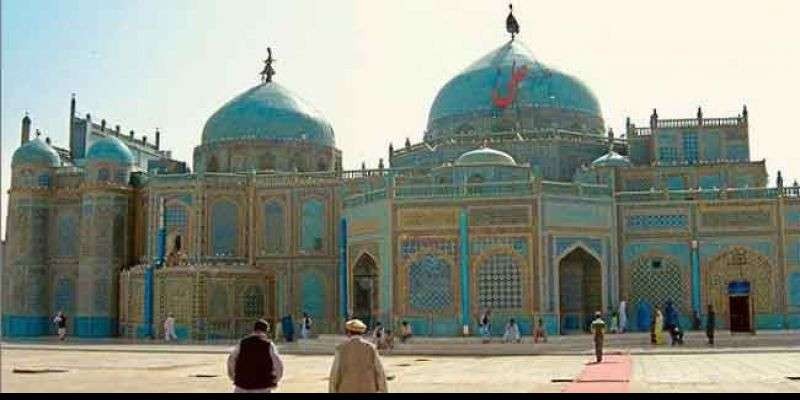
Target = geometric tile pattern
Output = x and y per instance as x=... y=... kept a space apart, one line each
x=657 y=280
x=430 y=284
x=273 y=227
x=500 y=283
x=563 y=243
x=517 y=243
x=224 y=227
x=648 y=222
x=313 y=221
x=411 y=246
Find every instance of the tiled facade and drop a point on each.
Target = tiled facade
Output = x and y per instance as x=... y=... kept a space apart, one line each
x=526 y=207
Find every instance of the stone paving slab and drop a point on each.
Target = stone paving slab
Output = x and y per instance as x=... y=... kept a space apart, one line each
x=111 y=371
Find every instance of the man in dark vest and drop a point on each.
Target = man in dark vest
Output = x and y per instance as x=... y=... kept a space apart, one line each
x=254 y=365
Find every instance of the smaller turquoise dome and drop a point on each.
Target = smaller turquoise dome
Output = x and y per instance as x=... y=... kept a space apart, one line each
x=110 y=149
x=485 y=156
x=271 y=112
x=36 y=152
x=612 y=159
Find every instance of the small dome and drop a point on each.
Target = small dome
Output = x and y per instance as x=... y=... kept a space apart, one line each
x=36 y=152
x=485 y=156
x=110 y=149
x=268 y=111
x=612 y=159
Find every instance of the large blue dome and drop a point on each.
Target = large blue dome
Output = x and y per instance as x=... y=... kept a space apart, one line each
x=110 y=149
x=36 y=152
x=477 y=91
x=271 y=112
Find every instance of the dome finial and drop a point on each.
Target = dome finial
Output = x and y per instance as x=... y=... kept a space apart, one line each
x=512 y=26
x=268 y=71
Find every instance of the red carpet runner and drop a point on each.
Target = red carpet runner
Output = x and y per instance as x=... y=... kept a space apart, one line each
x=611 y=376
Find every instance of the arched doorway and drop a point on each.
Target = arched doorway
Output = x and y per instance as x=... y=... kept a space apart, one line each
x=365 y=289
x=580 y=290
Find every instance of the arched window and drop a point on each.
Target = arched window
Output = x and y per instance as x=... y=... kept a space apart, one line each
x=312 y=226
x=224 y=228
x=44 y=180
x=103 y=175
x=430 y=286
x=274 y=232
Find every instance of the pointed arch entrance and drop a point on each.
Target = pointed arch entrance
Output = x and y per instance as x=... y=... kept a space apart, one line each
x=365 y=289
x=580 y=290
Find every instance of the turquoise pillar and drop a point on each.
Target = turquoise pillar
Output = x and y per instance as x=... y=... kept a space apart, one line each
x=343 y=267
x=695 y=277
x=463 y=239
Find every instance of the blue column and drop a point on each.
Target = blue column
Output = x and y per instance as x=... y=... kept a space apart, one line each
x=343 y=267
x=149 y=281
x=464 y=258
x=696 y=278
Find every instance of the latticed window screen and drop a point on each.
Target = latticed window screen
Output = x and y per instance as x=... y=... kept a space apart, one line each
x=175 y=217
x=253 y=302
x=667 y=154
x=103 y=175
x=690 y=151
x=430 y=286
x=500 y=283
x=656 y=280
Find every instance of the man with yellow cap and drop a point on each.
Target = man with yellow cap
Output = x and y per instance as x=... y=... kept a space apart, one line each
x=357 y=366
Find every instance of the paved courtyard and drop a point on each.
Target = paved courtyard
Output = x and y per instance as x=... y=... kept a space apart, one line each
x=132 y=368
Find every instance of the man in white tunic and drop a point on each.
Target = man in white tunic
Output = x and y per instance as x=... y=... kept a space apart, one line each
x=623 y=317
x=169 y=328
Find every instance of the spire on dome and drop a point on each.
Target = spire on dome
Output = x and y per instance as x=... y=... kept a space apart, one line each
x=268 y=71
x=512 y=26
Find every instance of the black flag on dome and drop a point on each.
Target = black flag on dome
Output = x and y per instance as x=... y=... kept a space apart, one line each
x=512 y=26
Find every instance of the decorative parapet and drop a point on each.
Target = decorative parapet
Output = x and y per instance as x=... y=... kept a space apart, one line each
x=707 y=194
x=479 y=190
x=507 y=136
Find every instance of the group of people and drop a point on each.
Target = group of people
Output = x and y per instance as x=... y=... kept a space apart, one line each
x=255 y=366
x=671 y=325
x=512 y=332
x=286 y=328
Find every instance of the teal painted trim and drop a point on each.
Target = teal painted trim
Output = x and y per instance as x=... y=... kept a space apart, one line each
x=769 y=321
x=95 y=327
x=464 y=239
x=343 y=267
x=550 y=324
x=696 y=280
x=143 y=331
x=793 y=321
x=182 y=332
x=23 y=326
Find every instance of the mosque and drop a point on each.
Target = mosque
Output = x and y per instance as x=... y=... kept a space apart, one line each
x=516 y=199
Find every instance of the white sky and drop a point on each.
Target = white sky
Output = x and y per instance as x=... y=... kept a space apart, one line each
x=374 y=67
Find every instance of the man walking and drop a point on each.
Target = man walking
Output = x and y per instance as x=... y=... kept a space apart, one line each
x=169 y=328
x=711 y=323
x=61 y=324
x=598 y=328
x=254 y=365
x=305 y=332
x=357 y=366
